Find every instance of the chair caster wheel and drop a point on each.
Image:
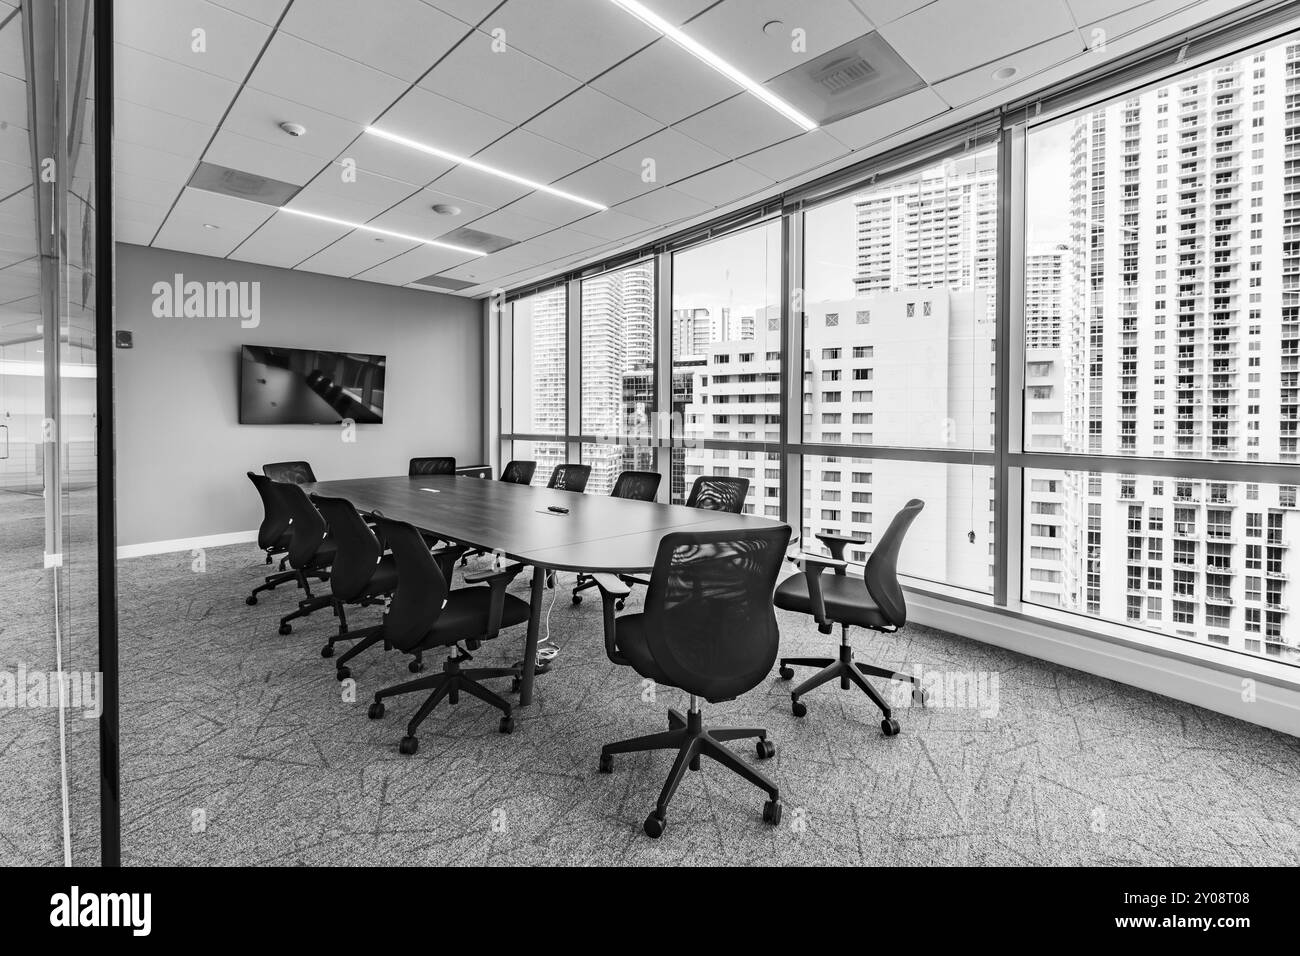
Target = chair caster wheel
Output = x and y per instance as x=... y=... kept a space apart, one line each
x=889 y=727
x=286 y=628
x=765 y=749
x=787 y=673
x=618 y=606
x=577 y=599
x=409 y=745
x=376 y=710
x=606 y=763
x=342 y=674
x=654 y=825
x=772 y=812
x=507 y=725
x=327 y=650
x=920 y=697
x=798 y=708
x=515 y=684
x=415 y=667
x=250 y=600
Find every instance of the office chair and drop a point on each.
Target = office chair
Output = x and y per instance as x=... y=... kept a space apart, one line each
x=272 y=535
x=360 y=574
x=632 y=486
x=570 y=478
x=708 y=628
x=876 y=603
x=518 y=472
x=425 y=613
x=311 y=549
x=432 y=466
x=297 y=472
x=709 y=493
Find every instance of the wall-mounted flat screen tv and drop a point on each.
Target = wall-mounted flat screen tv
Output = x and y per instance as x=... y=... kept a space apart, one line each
x=309 y=387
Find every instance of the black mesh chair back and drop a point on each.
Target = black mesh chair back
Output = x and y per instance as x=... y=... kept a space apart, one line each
x=637 y=485
x=881 y=573
x=358 y=548
x=432 y=466
x=275 y=517
x=709 y=621
x=569 y=478
x=308 y=527
x=421 y=590
x=295 y=471
x=519 y=472
x=718 y=493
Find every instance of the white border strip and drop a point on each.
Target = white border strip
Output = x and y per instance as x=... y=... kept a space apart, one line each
x=1274 y=706
x=184 y=544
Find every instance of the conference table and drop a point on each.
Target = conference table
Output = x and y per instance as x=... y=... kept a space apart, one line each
x=599 y=534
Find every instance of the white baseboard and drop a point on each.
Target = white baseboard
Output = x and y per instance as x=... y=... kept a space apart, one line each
x=185 y=544
x=1267 y=701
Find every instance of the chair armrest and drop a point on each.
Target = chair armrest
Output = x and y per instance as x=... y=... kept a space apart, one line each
x=611 y=589
x=497 y=579
x=813 y=565
x=611 y=584
x=836 y=544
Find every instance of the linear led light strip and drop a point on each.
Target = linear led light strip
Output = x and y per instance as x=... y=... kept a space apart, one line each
x=711 y=59
x=481 y=167
x=383 y=232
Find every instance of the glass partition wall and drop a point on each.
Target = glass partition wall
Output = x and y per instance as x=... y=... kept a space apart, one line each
x=51 y=683
x=1076 y=338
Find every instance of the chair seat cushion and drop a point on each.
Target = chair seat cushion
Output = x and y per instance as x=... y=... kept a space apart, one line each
x=846 y=598
x=466 y=616
x=630 y=641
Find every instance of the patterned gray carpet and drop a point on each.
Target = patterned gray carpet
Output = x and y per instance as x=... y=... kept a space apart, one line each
x=238 y=748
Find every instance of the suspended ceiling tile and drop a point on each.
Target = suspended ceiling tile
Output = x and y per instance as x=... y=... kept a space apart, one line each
x=739 y=126
x=513 y=225
x=356 y=252
x=162 y=84
x=534 y=157
x=580 y=37
x=664 y=206
x=401 y=37
x=286 y=240
x=797 y=155
x=612 y=225
x=194 y=33
x=415 y=216
x=296 y=70
x=258 y=115
x=476 y=186
x=186 y=228
x=444 y=124
x=503 y=82
x=374 y=155
x=252 y=156
x=881 y=122
x=989 y=30
x=133 y=123
x=982 y=81
x=681 y=86
x=666 y=157
x=415 y=264
x=352 y=199
x=592 y=123
x=723 y=185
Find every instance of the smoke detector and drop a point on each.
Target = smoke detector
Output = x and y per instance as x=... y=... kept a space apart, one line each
x=294 y=129
x=446 y=209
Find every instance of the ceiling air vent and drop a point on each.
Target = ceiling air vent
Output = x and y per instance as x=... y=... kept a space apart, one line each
x=857 y=76
x=446 y=283
x=476 y=239
x=242 y=185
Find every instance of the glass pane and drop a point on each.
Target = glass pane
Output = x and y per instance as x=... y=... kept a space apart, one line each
x=609 y=461
x=900 y=311
x=1207 y=561
x=618 y=353
x=539 y=357
x=547 y=454
x=951 y=540
x=1163 y=270
x=726 y=328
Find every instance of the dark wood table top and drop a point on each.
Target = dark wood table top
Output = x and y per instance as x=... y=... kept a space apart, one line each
x=599 y=533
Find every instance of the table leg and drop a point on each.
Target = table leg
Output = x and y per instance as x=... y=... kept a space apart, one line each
x=534 y=632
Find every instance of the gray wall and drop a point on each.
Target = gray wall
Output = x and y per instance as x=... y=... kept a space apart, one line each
x=181 y=452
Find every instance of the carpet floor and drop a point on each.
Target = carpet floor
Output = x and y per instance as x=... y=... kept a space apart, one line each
x=239 y=746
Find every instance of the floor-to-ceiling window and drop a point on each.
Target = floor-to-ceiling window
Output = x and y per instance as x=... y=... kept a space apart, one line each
x=540 y=379
x=1162 y=322
x=618 y=406
x=898 y=355
x=726 y=345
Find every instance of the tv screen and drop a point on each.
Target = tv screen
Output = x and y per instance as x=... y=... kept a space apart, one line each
x=309 y=387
